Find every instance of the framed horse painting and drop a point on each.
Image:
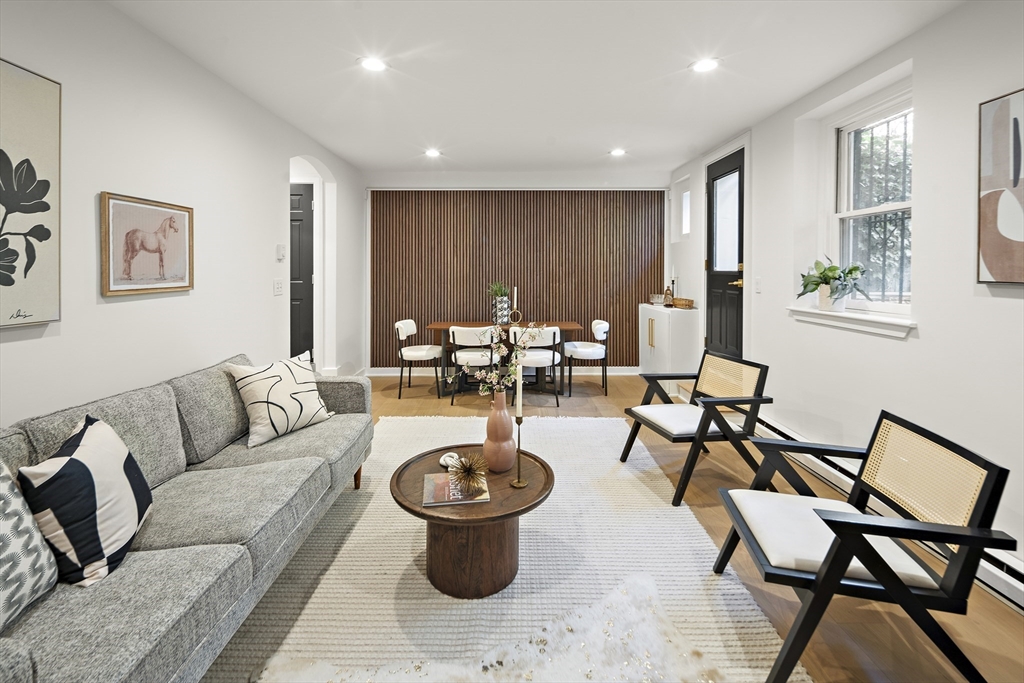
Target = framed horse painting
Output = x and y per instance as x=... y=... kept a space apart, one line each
x=146 y=246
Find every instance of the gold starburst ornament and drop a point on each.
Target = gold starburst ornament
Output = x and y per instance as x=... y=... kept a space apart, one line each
x=469 y=473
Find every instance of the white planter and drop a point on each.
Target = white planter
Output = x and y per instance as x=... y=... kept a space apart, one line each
x=825 y=303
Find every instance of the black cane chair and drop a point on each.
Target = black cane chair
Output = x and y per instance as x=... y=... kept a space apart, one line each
x=945 y=495
x=721 y=382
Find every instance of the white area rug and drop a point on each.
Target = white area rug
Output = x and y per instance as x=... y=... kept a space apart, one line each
x=355 y=603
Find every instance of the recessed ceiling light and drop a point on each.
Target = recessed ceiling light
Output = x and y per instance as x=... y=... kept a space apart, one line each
x=433 y=153
x=618 y=152
x=373 y=64
x=705 y=64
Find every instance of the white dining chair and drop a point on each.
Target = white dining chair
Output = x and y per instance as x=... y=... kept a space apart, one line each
x=407 y=355
x=584 y=350
x=541 y=351
x=471 y=346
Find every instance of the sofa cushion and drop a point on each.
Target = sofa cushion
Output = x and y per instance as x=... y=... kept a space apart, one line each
x=89 y=499
x=212 y=414
x=27 y=566
x=143 y=621
x=279 y=398
x=145 y=419
x=257 y=506
x=15 y=662
x=15 y=451
x=341 y=441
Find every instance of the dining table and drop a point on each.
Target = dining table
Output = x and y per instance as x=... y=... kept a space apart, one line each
x=438 y=331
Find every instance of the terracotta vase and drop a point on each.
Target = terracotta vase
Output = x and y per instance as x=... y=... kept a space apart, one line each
x=500 y=445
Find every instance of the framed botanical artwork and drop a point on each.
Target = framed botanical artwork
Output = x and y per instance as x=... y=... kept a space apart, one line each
x=1001 y=190
x=30 y=196
x=145 y=246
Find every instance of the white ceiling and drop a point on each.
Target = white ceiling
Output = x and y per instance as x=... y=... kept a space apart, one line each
x=527 y=86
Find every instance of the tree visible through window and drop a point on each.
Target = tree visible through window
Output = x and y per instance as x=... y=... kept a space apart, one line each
x=874 y=203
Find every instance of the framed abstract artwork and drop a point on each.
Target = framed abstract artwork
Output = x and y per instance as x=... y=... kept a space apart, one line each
x=30 y=196
x=145 y=246
x=1001 y=190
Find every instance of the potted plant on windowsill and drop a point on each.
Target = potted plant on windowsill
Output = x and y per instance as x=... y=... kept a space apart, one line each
x=500 y=307
x=833 y=284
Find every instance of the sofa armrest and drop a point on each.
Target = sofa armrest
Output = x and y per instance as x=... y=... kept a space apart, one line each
x=345 y=394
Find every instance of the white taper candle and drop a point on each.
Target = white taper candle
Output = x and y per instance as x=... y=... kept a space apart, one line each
x=515 y=298
x=519 y=391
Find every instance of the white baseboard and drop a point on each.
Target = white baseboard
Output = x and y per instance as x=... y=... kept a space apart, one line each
x=328 y=372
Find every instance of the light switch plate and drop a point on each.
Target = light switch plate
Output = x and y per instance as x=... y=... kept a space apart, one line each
x=280 y=252
x=757 y=285
x=278 y=286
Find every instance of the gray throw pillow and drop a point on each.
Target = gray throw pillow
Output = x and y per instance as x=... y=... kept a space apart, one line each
x=27 y=566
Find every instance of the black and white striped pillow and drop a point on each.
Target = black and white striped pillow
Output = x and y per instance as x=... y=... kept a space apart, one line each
x=89 y=500
x=279 y=398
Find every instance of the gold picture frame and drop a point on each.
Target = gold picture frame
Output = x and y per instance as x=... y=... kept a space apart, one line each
x=144 y=248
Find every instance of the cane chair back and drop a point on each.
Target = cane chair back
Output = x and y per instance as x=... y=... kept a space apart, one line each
x=726 y=377
x=929 y=481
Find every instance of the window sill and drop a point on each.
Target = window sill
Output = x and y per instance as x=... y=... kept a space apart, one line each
x=881 y=325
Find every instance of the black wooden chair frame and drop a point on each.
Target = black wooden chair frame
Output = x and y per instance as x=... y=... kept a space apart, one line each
x=711 y=406
x=817 y=589
x=538 y=383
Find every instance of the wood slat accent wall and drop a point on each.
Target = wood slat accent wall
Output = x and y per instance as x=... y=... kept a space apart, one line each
x=574 y=254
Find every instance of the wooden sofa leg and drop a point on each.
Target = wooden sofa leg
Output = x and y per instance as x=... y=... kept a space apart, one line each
x=357 y=478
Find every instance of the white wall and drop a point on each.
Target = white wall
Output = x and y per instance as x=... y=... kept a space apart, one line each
x=961 y=373
x=139 y=118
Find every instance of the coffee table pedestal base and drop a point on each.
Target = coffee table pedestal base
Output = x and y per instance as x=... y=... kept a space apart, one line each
x=472 y=561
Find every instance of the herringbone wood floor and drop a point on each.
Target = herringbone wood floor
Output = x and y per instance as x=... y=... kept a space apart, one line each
x=857 y=640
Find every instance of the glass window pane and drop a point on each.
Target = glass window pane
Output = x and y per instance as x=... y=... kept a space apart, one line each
x=881 y=162
x=727 y=222
x=881 y=243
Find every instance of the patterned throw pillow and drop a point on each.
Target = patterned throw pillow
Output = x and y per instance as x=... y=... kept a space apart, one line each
x=89 y=500
x=27 y=567
x=279 y=398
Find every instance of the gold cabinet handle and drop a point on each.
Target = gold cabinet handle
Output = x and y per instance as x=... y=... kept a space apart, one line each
x=738 y=283
x=650 y=332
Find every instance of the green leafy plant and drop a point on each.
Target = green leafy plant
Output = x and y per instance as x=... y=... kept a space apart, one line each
x=497 y=288
x=841 y=281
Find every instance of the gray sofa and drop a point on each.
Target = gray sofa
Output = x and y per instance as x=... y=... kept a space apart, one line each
x=225 y=520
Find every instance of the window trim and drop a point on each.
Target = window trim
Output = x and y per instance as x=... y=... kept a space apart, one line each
x=890 y=101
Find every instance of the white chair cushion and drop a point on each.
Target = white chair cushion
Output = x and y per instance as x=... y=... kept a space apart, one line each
x=539 y=358
x=474 y=357
x=678 y=419
x=584 y=350
x=421 y=352
x=792 y=535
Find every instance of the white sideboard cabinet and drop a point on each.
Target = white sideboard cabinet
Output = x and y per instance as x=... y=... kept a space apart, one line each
x=669 y=340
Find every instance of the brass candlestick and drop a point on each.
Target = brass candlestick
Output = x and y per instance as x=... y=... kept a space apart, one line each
x=519 y=482
x=515 y=316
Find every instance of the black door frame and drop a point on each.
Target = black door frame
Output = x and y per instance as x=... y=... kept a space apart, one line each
x=730 y=283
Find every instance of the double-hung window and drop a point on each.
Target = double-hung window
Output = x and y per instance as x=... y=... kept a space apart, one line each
x=873 y=204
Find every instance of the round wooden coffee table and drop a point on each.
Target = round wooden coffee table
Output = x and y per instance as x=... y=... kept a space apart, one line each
x=472 y=548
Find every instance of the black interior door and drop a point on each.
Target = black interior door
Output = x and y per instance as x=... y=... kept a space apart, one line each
x=301 y=269
x=725 y=256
